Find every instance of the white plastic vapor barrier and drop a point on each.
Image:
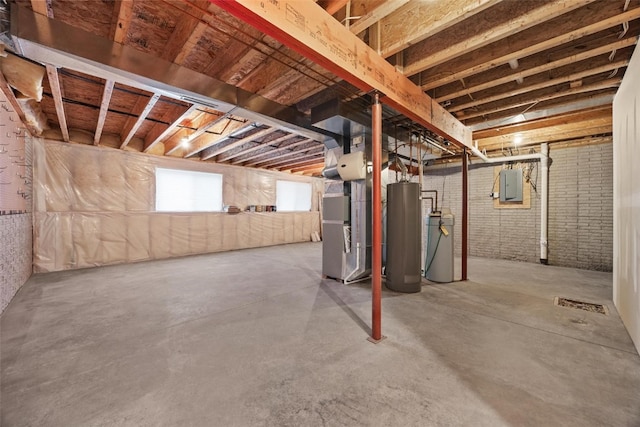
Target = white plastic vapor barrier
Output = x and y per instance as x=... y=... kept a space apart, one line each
x=96 y=206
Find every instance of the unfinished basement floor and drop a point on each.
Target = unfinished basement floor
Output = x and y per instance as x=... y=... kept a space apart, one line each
x=256 y=337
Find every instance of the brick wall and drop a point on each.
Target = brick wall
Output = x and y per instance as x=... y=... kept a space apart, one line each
x=15 y=255
x=580 y=211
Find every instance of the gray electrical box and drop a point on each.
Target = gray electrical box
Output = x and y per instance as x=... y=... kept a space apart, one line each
x=511 y=185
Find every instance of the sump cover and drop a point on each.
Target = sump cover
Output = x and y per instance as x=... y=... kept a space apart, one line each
x=581 y=305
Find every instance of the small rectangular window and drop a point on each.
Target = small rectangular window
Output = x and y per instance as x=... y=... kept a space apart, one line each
x=293 y=196
x=188 y=191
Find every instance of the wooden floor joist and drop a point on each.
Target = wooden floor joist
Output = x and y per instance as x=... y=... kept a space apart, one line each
x=308 y=29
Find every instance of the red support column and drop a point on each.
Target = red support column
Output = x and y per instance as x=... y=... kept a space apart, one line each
x=465 y=212
x=376 y=262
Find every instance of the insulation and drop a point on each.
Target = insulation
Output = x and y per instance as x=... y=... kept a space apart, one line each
x=96 y=206
x=24 y=76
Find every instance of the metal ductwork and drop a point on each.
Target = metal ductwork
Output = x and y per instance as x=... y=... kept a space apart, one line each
x=48 y=41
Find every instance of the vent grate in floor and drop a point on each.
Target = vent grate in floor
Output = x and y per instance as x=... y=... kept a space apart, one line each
x=581 y=305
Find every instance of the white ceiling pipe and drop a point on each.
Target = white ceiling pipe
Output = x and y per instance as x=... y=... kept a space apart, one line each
x=543 y=157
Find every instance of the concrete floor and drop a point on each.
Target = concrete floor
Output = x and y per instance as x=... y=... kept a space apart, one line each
x=255 y=337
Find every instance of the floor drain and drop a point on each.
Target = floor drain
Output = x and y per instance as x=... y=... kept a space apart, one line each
x=581 y=305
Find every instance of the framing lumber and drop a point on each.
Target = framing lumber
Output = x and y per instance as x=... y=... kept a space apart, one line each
x=539 y=15
x=332 y=6
x=271 y=152
x=279 y=159
x=295 y=164
x=326 y=42
x=256 y=147
x=317 y=167
x=132 y=126
x=122 y=16
x=43 y=7
x=542 y=68
x=104 y=109
x=56 y=92
x=493 y=61
x=605 y=84
x=152 y=139
x=239 y=143
x=221 y=129
x=417 y=21
x=375 y=15
x=545 y=84
x=560 y=119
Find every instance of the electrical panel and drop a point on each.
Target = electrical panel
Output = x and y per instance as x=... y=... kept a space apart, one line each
x=511 y=185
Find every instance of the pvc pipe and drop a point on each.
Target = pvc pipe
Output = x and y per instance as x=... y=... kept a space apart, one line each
x=544 y=203
x=376 y=268
x=543 y=156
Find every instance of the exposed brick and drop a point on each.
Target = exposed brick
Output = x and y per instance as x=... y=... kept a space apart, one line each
x=580 y=211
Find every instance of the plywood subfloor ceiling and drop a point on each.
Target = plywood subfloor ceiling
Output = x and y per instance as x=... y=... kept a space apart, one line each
x=519 y=73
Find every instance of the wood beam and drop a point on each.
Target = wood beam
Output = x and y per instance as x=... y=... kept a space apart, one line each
x=419 y=20
x=238 y=143
x=302 y=168
x=191 y=43
x=276 y=160
x=56 y=92
x=621 y=44
x=43 y=7
x=332 y=6
x=494 y=59
x=222 y=130
x=104 y=109
x=121 y=19
x=560 y=119
x=270 y=152
x=375 y=15
x=606 y=84
x=301 y=163
x=256 y=147
x=544 y=84
x=132 y=126
x=417 y=61
x=327 y=43
x=153 y=138
x=202 y=122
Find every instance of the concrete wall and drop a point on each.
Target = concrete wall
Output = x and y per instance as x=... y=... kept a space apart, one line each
x=580 y=213
x=626 y=199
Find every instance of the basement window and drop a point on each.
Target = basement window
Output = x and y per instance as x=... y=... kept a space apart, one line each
x=188 y=191
x=293 y=196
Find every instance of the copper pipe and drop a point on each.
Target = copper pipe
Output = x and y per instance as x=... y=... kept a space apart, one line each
x=465 y=211
x=376 y=279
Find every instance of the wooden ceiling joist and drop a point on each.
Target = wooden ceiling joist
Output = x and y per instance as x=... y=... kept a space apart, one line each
x=221 y=130
x=318 y=167
x=56 y=92
x=256 y=147
x=561 y=119
x=343 y=53
x=416 y=62
x=307 y=153
x=606 y=84
x=238 y=143
x=272 y=152
x=298 y=164
x=122 y=15
x=376 y=14
x=608 y=48
x=448 y=74
x=132 y=126
x=549 y=83
x=104 y=109
x=153 y=138
x=416 y=22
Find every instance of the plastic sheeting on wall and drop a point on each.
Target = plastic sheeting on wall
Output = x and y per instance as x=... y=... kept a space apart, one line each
x=95 y=206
